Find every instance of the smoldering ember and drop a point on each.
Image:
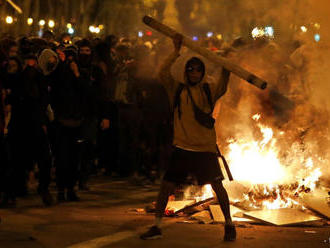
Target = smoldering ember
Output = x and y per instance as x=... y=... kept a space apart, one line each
x=164 y=123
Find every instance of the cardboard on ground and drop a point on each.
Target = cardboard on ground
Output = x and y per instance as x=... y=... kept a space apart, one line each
x=218 y=216
x=281 y=217
x=317 y=201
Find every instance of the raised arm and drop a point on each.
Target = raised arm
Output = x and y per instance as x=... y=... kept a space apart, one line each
x=164 y=74
x=221 y=87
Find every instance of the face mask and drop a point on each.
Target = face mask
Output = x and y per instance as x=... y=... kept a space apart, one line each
x=50 y=66
x=85 y=60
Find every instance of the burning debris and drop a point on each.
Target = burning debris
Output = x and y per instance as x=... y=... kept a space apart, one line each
x=274 y=190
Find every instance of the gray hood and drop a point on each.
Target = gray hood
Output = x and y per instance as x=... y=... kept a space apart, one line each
x=43 y=61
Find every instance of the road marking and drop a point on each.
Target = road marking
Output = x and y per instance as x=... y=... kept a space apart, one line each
x=103 y=241
x=114 y=238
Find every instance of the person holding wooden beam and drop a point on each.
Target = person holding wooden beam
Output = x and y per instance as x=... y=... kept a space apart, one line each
x=194 y=141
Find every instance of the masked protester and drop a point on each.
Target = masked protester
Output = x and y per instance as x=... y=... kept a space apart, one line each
x=97 y=114
x=27 y=135
x=68 y=100
x=194 y=137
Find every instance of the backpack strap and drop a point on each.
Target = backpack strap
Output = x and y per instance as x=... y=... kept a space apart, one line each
x=177 y=102
x=207 y=91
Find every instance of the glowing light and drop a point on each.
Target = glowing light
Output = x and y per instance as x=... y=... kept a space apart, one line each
x=209 y=34
x=148 y=33
x=51 y=23
x=9 y=20
x=42 y=22
x=30 y=21
x=261 y=163
x=303 y=29
x=198 y=194
x=195 y=38
x=101 y=26
x=70 y=30
x=69 y=25
x=256 y=117
x=140 y=34
x=219 y=36
x=317 y=37
x=91 y=29
x=317 y=25
x=257 y=32
x=269 y=32
x=97 y=30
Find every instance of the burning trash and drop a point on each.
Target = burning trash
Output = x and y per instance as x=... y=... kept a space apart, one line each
x=272 y=190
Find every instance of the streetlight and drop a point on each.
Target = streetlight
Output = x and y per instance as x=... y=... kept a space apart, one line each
x=30 y=21
x=303 y=29
x=209 y=34
x=70 y=30
x=51 y=23
x=91 y=29
x=42 y=22
x=9 y=20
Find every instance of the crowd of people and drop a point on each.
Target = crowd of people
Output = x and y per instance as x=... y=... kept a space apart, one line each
x=77 y=107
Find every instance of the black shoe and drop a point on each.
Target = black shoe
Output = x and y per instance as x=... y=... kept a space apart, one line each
x=230 y=233
x=61 y=197
x=47 y=198
x=72 y=196
x=153 y=233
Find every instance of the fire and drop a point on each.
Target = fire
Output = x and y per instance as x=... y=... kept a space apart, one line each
x=199 y=194
x=273 y=181
x=256 y=161
x=276 y=182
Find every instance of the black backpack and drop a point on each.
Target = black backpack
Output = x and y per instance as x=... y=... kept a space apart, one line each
x=205 y=119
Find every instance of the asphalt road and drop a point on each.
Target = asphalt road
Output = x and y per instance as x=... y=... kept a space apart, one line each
x=105 y=217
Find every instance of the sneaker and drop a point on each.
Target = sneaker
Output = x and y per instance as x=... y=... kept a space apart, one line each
x=153 y=233
x=230 y=233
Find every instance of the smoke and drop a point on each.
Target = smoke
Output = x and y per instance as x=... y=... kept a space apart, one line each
x=296 y=102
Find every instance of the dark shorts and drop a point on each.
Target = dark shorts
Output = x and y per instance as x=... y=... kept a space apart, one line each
x=203 y=166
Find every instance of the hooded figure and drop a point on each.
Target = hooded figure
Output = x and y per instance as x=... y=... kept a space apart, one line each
x=47 y=61
x=194 y=144
x=187 y=130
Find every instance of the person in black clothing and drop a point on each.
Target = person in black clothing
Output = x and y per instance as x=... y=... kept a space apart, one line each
x=27 y=132
x=97 y=112
x=105 y=58
x=4 y=199
x=68 y=100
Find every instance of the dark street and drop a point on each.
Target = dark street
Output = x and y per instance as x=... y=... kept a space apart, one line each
x=107 y=217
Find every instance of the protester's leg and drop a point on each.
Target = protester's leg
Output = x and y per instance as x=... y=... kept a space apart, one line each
x=166 y=189
x=61 y=161
x=220 y=191
x=74 y=159
x=223 y=199
x=87 y=158
x=42 y=153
